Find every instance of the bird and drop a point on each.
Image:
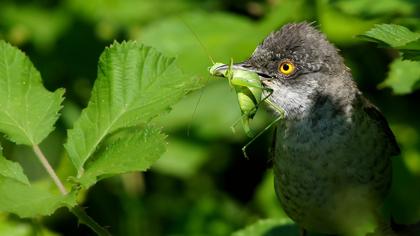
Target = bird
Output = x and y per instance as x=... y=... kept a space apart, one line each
x=332 y=150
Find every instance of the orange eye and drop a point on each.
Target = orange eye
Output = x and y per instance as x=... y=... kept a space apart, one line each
x=287 y=68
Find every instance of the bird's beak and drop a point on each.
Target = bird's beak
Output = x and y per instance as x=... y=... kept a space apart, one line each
x=220 y=69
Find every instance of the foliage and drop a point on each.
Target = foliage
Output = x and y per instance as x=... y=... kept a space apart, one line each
x=135 y=84
x=197 y=181
x=404 y=74
x=24 y=119
x=398 y=37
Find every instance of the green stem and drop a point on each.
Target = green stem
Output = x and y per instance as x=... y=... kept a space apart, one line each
x=85 y=219
x=49 y=169
x=81 y=215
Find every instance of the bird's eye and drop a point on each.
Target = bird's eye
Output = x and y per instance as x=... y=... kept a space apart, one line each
x=287 y=67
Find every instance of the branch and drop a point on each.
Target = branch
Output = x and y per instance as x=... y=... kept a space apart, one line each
x=85 y=219
x=50 y=170
x=77 y=210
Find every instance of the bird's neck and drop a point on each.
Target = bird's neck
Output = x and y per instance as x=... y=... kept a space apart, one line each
x=333 y=98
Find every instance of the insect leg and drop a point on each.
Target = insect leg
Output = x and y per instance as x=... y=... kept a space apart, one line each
x=259 y=134
x=279 y=117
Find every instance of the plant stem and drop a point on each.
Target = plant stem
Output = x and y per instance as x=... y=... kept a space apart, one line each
x=81 y=215
x=85 y=219
x=50 y=170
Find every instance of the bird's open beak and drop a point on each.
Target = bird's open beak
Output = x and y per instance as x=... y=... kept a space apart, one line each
x=220 y=69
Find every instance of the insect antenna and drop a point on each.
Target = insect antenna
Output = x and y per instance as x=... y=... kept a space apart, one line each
x=205 y=49
x=281 y=114
x=198 y=39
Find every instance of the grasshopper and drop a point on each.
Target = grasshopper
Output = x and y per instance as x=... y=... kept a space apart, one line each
x=249 y=90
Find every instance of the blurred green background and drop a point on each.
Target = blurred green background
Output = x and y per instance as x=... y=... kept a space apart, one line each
x=202 y=185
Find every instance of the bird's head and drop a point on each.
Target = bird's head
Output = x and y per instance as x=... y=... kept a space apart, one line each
x=294 y=50
x=298 y=63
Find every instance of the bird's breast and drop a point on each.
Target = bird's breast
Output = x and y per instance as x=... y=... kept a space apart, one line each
x=319 y=162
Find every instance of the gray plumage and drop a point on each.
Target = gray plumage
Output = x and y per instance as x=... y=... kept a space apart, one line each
x=332 y=152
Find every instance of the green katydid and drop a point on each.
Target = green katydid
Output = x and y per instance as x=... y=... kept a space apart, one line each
x=249 y=90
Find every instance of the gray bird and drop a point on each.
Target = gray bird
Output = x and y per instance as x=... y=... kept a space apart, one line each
x=332 y=151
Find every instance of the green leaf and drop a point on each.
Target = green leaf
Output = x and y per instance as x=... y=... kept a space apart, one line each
x=396 y=36
x=27 y=110
x=269 y=227
x=30 y=200
x=403 y=76
x=135 y=84
x=12 y=170
x=391 y=35
x=135 y=151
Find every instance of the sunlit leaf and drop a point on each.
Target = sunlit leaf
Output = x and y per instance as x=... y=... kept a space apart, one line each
x=391 y=35
x=396 y=36
x=30 y=200
x=403 y=76
x=135 y=84
x=12 y=170
x=27 y=110
x=136 y=150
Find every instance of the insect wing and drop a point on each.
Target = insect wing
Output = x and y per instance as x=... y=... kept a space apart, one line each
x=251 y=81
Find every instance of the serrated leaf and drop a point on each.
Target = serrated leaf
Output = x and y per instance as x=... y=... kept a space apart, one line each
x=30 y=200
x=136 y=150
x=269 y=227
x=135 y=84
x=12 y=170
x=403 y=76
x=27 y=110
x=392 y=35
